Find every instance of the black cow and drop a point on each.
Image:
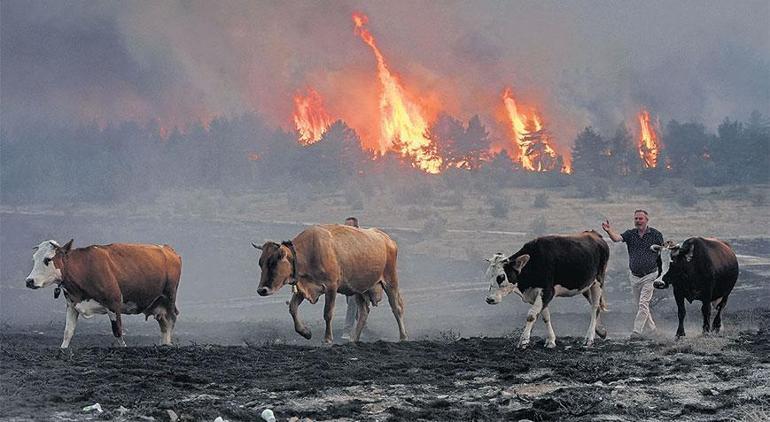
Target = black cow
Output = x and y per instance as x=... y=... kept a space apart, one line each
x=704 y=269
x=553 y=266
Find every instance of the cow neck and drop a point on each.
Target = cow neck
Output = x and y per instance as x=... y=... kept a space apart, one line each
x=289 y=244
x=67 y=283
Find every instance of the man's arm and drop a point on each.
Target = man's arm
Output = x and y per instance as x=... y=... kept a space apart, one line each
x=612 y=233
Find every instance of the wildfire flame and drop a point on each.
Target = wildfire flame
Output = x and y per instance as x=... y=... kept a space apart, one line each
x=401 y=120
x=523 y=125
x=649 y=147
x=310 y=117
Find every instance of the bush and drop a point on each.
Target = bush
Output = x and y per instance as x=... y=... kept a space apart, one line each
x=500 y=205
x=434 y=226
x=592 y=187
x=541 y=201
x=687 y=195
x=417 y=194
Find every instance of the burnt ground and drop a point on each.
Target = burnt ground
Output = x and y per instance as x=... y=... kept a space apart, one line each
x=442 y=378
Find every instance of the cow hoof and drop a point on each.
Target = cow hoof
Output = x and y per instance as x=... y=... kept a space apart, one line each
x=679 y=336
x=523 y=344
x=601 y=332
x=306 y=333
x=588 y=343
x=550 y=344
x=65 y=353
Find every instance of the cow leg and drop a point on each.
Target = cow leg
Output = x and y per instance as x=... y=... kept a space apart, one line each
x=397 y=306
x=550 y=342
x=532 y=314
x=600 y=330
x=117 y=326
x=166 y=317
x=299 y=327
x=331 y=297
x=716 y=326
x=70 y=324
x=681 y=313
x=706 y=311
x=363 y=314
x=595 y=293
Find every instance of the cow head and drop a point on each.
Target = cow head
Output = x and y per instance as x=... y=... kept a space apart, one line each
x=46 y=264
x=671 y=260
x=276 y=267
x=502 y=282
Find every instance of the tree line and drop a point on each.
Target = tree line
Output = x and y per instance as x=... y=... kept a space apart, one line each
x=132 y=162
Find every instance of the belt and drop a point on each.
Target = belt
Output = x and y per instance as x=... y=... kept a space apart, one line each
x=642 y=275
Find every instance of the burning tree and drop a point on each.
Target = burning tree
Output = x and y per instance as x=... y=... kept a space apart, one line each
x=536 y=149
x=458 y=146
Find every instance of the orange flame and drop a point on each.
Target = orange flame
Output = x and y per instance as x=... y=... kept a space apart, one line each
x=310 y=117
x=523 y=125
x=402 y=124
x=648 y=141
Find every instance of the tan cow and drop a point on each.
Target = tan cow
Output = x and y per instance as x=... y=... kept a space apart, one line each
x=333 y=259
x=114 y=279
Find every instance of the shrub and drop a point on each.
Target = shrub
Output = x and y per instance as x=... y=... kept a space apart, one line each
x=499 y=206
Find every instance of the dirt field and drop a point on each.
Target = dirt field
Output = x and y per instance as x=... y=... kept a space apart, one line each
x=714 y=378
x=237 y=353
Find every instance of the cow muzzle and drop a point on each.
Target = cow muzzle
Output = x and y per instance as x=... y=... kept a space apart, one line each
x=31 y=283
x=493 y=299
x=659 y=284
x=263 y=291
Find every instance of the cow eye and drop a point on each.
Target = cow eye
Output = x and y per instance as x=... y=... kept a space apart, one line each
x=47 y=261
x=500 y=279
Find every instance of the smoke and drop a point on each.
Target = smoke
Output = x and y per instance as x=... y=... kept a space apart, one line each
x=579 y=63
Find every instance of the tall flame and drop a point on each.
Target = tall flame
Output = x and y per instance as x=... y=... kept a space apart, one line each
x=649 y=147
x=401 y=120
x=310 y=117
x=524 y=124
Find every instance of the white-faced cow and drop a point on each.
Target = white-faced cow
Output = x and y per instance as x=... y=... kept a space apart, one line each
x=113 y=279
x=331 y=259
x=548 y=267
x=699 y=269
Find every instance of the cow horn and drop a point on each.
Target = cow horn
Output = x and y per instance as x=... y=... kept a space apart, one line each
x=256 y=246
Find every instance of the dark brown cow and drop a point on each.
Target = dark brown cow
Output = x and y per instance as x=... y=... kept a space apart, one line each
x=113 y=279
x=331 y=259
x=699 y=268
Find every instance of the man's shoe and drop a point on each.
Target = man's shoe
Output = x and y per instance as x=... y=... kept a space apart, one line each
x=636 y=336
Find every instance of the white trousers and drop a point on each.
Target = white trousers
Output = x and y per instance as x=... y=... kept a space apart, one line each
x=351 y=314
x=642 y=290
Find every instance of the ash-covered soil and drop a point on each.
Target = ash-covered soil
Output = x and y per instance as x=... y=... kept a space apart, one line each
x=443 y=378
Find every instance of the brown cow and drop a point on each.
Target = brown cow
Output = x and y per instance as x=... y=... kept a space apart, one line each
x=114 y=279
x=333 y=259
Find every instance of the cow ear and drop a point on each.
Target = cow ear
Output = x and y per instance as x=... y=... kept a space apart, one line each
x=520 y=262
x=67 y=246
x=256 y=246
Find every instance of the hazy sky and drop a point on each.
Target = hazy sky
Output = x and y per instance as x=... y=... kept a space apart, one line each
x=580 y=63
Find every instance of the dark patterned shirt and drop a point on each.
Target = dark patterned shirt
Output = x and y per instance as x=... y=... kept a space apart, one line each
x=641 y=259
